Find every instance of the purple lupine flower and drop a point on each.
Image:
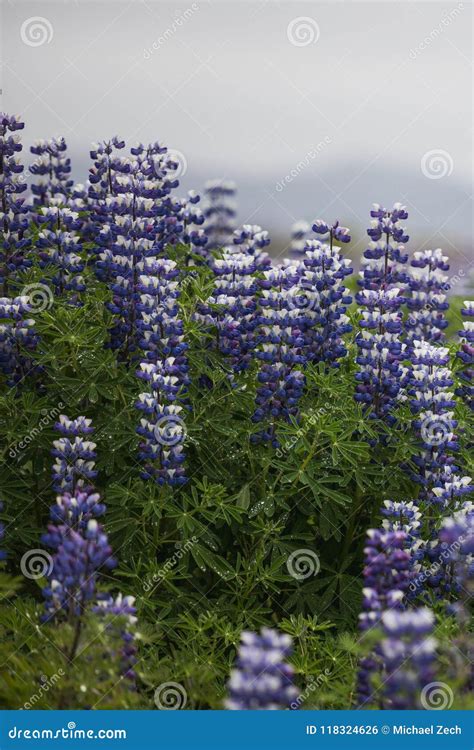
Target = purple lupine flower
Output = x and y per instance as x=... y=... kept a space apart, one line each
x=230 y=312
x=383 y=280
x=74 y=466
x=427 y=385
x=408 y=651
x=60 y=247
x=331 y=231
x=427 y=300
x=121 y=613
x=143 y=220
x=13 y=222
x=102 y=173
x=79 y=201
x=299 y=232
x=219 y=212
x=165 y=371
x=102 y=188
x=386 y=574
x=78 y=540
x=466 y=355
x=251 y=239
x=163 y=426
x=77 y=558
x=53 y=167
x=191 y=218
x=76 y=509
x=280 y=381
x=17 y=338
x=404 y=516
x=323 y=300
x=385 y=258
x=387 y=578
x=262 y=680
x=380 y=352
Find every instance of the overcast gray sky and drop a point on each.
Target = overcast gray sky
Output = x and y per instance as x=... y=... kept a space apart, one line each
x=314 y=108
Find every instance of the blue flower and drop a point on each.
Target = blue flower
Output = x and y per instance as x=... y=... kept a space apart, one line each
x=14 y=242
x=427 y=300
x=17 y=338
x=409 y=652
x=74 y=466
x=466 y=355
x=219 y=212
x=262 y=680
x=299 y=232
x=53 y=167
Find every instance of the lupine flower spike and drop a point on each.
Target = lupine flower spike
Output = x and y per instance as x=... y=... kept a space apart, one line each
x=408 y=650
x=427 y=300
x=383 y=280
x=14 y=243
x=165 y=372
x=280 y=379
x=17 y=338
x=262 y=680
x=74 y=453
x=53 y=167
x=299 y=232
x=219 y=211
x=322 y=296
x=386 y=578
x=466 y=355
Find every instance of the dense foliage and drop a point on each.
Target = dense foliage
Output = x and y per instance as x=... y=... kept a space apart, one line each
x=234 y=428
